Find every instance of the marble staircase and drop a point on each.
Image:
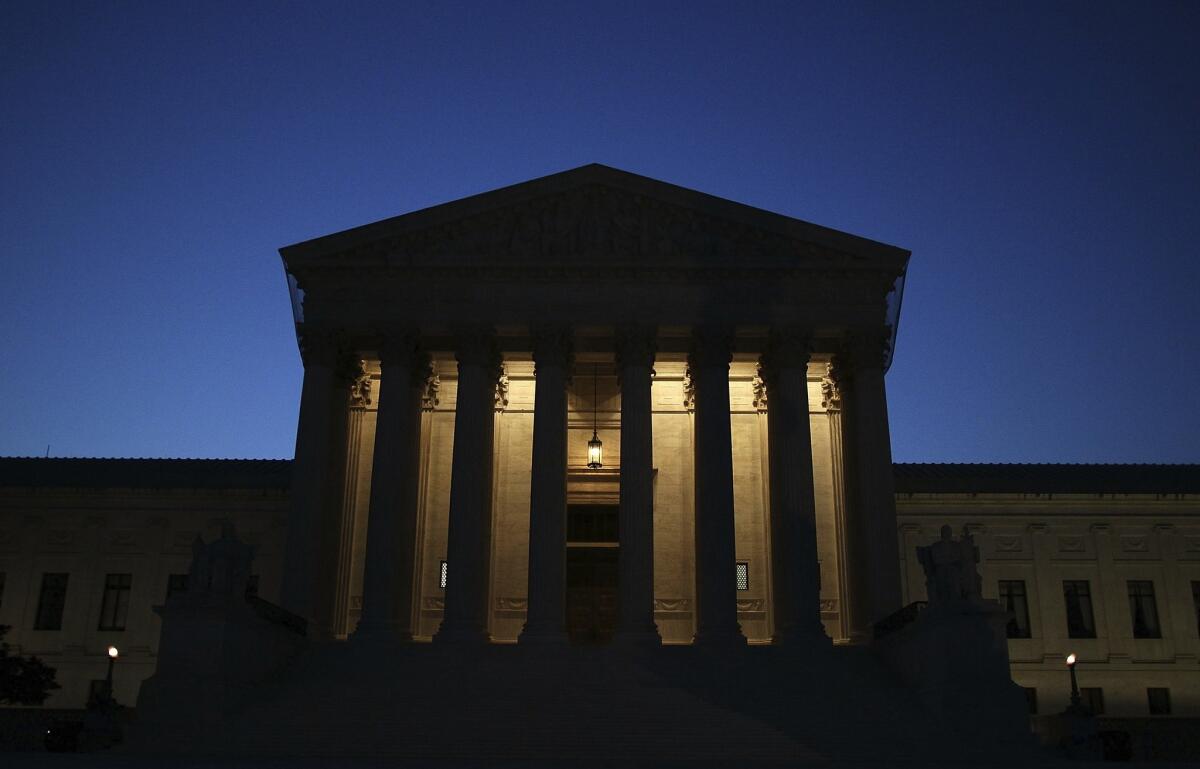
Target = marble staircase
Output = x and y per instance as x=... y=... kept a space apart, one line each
x=757 y=705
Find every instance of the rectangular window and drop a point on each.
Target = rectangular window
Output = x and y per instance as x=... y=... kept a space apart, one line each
x=2 y=589
x=51 y=601
x=1012 y=598
x=1159 y=701
x=1031 y=699
x=176 y=583
x=1093 y=699
x=114 y=609
x=1196 y=603
x=743 y=575
x=1078 y=597
x=1143 y=610
x=442 y=575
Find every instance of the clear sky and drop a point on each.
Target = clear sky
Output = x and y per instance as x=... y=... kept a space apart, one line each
x=1041 y=160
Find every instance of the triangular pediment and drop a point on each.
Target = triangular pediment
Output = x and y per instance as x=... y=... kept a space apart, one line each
x=592 y=212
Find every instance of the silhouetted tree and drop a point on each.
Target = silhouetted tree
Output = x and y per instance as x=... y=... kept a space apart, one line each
x=23 y=680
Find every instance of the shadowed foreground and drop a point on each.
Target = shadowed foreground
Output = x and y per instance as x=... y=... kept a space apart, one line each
x=506 y=705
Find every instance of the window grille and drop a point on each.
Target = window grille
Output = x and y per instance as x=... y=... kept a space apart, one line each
x=743 y=575
x=1077 y=595
x=114 y=609
x=51 y=600
x=1143 y=610
x=1014 y=599
x=442 y=575
x=1159 y=701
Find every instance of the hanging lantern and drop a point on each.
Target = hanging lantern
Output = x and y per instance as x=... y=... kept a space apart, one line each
x=595 y=452
x=595 y=445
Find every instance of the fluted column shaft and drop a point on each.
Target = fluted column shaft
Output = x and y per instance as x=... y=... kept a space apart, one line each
x=389 y=572
x=545 y=620
x=873 y=495
x=316 y=476
x=794 y=568
x=716 y=555
x=468 y=548
x=635 y=559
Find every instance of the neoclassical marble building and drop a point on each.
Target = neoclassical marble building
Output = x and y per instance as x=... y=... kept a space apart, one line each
x=705 y=344
x=595 y=408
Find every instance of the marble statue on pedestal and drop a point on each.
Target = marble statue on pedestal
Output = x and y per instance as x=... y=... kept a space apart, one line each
x=951 y=568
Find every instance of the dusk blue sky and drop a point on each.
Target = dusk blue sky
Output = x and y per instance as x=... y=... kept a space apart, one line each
x=1041 y=161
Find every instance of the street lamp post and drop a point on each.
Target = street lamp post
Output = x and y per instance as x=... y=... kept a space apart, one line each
x=1075 y=702
x=113 y=653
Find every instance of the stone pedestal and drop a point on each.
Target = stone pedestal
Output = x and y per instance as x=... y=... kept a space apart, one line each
x=955 y=656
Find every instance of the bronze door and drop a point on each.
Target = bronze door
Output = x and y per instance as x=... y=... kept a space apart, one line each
x=591 y=594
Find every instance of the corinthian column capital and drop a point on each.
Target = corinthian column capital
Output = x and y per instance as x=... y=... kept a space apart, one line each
x=553 y=345
x=711 y=346
x=867 y=348
x=360 y=387
x=403 y=348
x=320 y=346
x=636 y=345
x=476 y=346
x=831 y=388
x=787 y=347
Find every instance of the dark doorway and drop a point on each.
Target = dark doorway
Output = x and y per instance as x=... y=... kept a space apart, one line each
x=591 y=594
x=591 y=573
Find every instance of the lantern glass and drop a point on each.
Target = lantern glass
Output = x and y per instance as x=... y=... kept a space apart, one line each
x=595 y=452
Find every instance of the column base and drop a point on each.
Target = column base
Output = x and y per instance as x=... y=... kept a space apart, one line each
x=543 y=637
x=796 y=638
x=725 y=638
x=462 y=636
x=380 y=634
x=637 y=640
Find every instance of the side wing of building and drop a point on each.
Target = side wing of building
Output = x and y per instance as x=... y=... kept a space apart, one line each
x=1099 y=560
x=89 y=547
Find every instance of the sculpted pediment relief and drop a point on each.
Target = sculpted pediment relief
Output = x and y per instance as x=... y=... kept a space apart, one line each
x=595 y=222
x=587 y=215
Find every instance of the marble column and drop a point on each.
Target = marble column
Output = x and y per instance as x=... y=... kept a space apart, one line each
x=545 y=621
x=716 y=558
x=795 y=575
x=468 y=548
x=873 y=496
x=389 y=572
x=635 y=347
x=360 y=398
x=319 y=440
